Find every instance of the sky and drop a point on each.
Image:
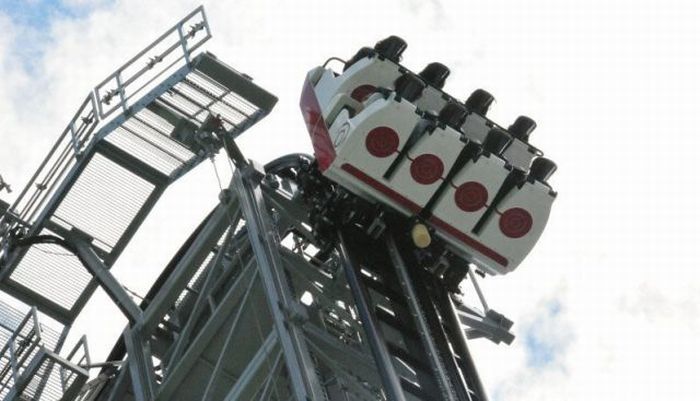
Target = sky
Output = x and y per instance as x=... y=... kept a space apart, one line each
x=607 y=305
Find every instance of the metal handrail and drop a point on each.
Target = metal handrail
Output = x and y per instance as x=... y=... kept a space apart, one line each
x=68 y=148
x=26 y=354
x=83 y=360
x=65 y=149
x=18 y=358
x=122 y=81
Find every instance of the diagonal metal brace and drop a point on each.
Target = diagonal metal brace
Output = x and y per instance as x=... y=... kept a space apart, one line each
x=105 y=279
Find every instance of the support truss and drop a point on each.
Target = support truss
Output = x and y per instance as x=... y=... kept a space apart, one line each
x=246 y=311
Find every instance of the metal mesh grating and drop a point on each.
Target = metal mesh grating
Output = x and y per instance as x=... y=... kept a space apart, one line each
x=158 y=130
x=49 y=382
x=208 y=85
x=49 y=269
x=23 y=340
x=46 y=381
x=212 y=98
x=143 y=149
x=104 y=200
x=216 y=99
x=196 y=282
x=147 y=137
x=108 y=184
x=10 y=319
x=102 y=203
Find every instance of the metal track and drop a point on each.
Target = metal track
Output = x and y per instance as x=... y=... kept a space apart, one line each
x=247 y=312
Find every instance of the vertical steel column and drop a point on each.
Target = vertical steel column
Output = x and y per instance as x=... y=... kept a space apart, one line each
x=459 y=342
x=264 y=240
x=423 y=329
x=422 y=280
x=391 y=382
x=140 y=366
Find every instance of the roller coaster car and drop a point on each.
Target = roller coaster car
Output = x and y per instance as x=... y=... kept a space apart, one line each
x=395 y=137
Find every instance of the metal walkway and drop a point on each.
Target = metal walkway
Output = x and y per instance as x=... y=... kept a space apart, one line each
x=30 y=368
x=142 y=128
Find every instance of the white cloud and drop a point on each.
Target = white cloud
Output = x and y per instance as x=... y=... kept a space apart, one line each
x=612 y=84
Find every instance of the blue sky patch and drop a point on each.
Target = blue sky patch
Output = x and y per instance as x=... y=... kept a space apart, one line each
x=36 y=13
x=32 y=20
x=547 y=337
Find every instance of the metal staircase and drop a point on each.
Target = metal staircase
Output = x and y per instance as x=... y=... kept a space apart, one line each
x=30 y=368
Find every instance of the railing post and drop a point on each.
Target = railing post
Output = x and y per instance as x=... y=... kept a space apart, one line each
x=183 y=43
x=38 y=330
x=13 y=361
x=121 y=90
x=74 y=140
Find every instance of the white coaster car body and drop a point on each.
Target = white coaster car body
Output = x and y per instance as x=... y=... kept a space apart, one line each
x=357 y=134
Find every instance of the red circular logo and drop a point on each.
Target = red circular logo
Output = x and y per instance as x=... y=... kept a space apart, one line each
x=362 y=92
x=426 y=169
x=471 y=196
x=382 y=142
x=515 y=222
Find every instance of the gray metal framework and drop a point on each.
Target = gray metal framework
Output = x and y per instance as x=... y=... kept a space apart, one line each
x=154 y=119
x=29 y=367
x=245 y=312
x=254 y=306
x=102 y=177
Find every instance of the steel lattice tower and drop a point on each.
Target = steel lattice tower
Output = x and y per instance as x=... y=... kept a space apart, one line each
x=261 y=302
